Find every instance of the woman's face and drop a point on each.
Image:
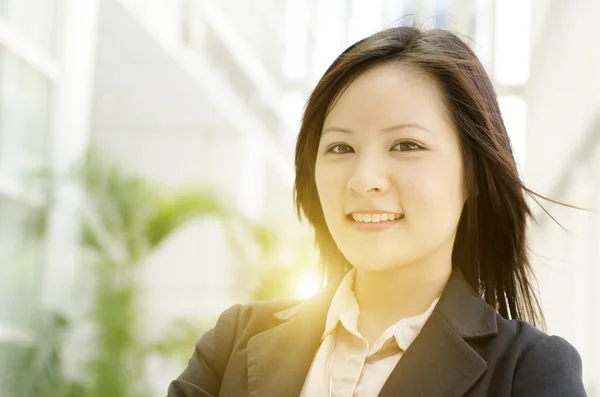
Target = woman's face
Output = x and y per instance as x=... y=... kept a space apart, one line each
x=389 y=170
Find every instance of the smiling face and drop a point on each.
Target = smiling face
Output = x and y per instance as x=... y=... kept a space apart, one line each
x=389 y=170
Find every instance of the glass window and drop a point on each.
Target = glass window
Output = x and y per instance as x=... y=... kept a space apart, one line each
x=24 y=96
x=483 y=33
x=328 y=34
x=32 y=19
x=514 y=113
x=296 y=34
x=364 y=18
x=513 y=30
x=18 y=260
x=442 y=14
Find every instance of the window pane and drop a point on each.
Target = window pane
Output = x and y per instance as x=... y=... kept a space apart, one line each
x=18 y=259
x=443 y=14
x=296 y=34
x=23 y=118
x=33 y=19
x=513 y=32
x=514 y=113
x=328 y=34
x=483 y=32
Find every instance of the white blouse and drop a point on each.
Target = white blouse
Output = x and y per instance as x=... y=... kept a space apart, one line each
x=358 y=370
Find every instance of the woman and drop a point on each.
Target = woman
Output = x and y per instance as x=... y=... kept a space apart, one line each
x=405 y=170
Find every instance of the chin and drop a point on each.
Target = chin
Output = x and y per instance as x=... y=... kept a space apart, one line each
x=377 y=265
x=374 y=269
x=378 y=259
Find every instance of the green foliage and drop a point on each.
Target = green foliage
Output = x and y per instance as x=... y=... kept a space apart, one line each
x=125 y=219
x=179 y=343
x=34 y=368
x=170 y=212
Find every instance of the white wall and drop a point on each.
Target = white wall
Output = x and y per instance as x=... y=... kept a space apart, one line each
x=563 y=98
x=563 y=92
x=153 y=121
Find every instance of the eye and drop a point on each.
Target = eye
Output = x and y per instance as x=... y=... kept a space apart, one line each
x=340 y=148
x=406 y=146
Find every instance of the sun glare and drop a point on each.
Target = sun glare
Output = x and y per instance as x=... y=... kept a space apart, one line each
x=306 y=285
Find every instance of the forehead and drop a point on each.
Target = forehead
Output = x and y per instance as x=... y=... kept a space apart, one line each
x=385 y=95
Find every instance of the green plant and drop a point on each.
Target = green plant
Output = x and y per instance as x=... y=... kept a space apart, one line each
x=33 y=368
x=125 y=218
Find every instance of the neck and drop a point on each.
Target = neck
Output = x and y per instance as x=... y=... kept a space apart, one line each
x=403 y=291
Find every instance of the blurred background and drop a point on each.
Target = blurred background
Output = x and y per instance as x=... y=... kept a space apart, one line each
x=146 y=169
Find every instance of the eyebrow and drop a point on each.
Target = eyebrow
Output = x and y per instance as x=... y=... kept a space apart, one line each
x=391 y=128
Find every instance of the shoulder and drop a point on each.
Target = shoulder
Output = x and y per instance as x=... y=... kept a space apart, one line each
x=525 y=336
x=532 y=343
x=545 y=364
x=211 y=357
x=258 y=316
x=240 y=322
x=271 y=308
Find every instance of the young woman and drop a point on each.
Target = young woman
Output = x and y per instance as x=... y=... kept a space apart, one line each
x=405 y=170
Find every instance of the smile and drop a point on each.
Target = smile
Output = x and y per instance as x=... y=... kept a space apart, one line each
x=374 y=222
x=374 y=218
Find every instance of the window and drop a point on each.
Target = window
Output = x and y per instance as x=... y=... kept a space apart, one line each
x=26 y=48
x=18 y=263
x=23 y=118
x=512 y=38
x=34 y=21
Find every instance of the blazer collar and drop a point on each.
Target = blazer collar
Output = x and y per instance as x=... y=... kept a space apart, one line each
x=279 y=358
x=439 y=362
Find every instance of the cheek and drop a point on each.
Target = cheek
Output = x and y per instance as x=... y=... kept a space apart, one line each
x=327 y=188
x=432 y=190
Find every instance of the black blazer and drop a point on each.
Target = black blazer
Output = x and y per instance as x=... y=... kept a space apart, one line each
x=465 y=348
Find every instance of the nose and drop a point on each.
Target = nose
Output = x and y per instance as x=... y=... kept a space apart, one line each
x=370 y=176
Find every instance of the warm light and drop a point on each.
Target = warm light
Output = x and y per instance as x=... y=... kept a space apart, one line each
x=306 y=285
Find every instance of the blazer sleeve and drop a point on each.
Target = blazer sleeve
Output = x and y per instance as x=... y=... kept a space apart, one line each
x=203 y=375
x=551 y=367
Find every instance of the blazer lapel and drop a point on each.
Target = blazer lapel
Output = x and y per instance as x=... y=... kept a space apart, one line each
x=440 y=361
x=279 y=359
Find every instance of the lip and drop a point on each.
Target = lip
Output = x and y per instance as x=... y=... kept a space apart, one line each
x=361 y=211
x=374 y=226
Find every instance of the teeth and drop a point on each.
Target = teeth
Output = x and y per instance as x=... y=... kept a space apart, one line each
x=369 y=218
